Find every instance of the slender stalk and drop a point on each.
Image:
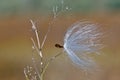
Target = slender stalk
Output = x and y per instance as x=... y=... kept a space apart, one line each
x=36 y=48
x=48 y=62
x=49 y=28
x=37 y=37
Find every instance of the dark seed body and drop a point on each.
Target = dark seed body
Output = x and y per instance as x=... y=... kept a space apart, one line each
x=58 y=46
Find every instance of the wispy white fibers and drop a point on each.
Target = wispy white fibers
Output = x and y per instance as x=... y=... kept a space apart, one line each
x=81 y=40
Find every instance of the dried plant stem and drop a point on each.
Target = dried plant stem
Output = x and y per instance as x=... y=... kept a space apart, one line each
x=37 y=36
x=38 y=46
x=49 y=28
x=39 y=51
x=48 y=62
x=38 y=41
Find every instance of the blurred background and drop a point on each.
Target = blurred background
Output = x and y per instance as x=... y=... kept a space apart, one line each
x=15 y=34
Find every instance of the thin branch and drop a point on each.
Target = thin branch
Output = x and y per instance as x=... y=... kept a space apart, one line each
x=49 y=28
x=48 y=62
x=38 y=46
x=36 y=33
x=55 y=14
x=38 y=41
x=39 y=52
x=45 y=37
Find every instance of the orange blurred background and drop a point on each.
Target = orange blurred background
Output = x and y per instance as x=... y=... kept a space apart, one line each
x=16 y=46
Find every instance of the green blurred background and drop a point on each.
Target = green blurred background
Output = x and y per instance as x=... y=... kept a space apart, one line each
x=15 y=33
